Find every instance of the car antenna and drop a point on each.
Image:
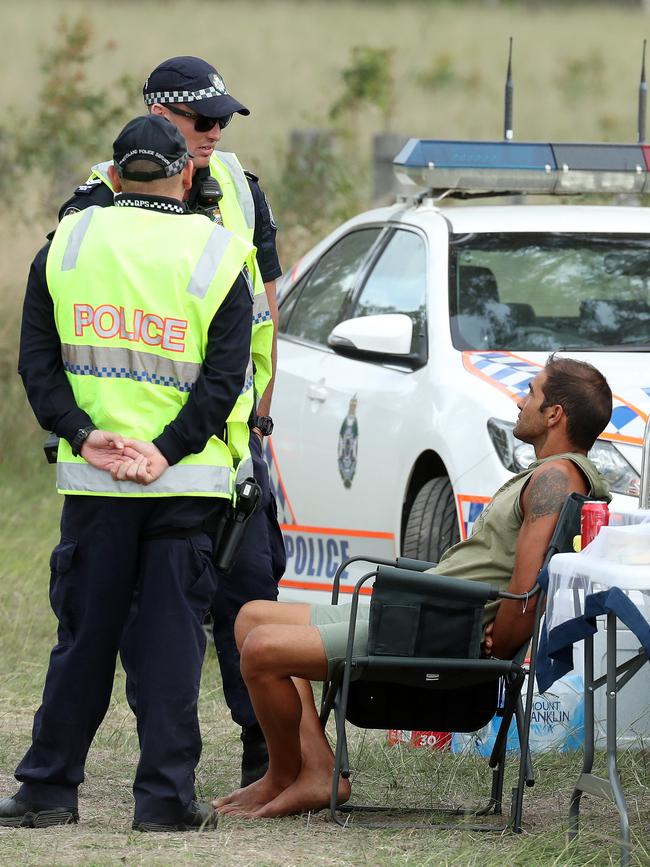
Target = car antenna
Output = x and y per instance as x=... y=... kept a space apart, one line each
x=507 y=120
x=643 y=96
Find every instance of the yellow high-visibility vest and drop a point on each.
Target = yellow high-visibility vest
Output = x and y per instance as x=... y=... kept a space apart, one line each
x=237 y=210
x=134 y=293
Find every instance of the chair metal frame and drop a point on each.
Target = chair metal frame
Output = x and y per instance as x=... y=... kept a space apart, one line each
x=512 y=672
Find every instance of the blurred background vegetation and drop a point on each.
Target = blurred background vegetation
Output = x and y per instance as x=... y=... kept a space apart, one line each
x=321 y=78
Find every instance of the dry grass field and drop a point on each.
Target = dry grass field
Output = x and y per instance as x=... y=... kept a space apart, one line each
x=576 y=74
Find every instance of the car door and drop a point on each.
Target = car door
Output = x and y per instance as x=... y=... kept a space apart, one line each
x=355 y=416
x=307 y=315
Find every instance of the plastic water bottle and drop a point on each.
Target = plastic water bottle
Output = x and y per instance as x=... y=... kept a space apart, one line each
x=557 y=722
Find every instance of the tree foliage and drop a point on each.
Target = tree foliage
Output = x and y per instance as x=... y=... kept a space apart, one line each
x=367 y=81
x=73 y=122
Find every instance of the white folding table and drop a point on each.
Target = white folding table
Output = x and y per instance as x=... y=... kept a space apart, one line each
x=582 y=588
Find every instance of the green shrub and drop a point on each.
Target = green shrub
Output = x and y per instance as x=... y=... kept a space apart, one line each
x=367 y=81
x=321 y=184
x=75 y=121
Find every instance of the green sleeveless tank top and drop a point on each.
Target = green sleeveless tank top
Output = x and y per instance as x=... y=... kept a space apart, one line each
x=489 y=553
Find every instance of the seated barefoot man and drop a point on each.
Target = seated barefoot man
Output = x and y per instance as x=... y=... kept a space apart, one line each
x=285 y=645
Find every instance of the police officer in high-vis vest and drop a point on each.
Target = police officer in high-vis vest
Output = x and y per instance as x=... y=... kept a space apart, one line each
x=134 y=349
x=191 y=94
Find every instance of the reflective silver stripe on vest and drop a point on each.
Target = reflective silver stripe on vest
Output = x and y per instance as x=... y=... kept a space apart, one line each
x=248 y=381
x=180 y=479
x=261 y=312
x=245 y=470
x=209 y=261
x=69 y=261
x=116 y=362
x=244 y=195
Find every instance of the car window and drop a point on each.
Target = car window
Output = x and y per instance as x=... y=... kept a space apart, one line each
x=287 y=303
x=313 y=309
x=397 y=282
x=548 y=292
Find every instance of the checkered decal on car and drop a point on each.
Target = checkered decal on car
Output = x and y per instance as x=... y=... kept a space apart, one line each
x=627 y=423
x=471 y=511
x=511 y=374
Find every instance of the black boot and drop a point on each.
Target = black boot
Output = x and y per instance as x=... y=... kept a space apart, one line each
x=255 y=758
x=199 y=817
x=16 y=813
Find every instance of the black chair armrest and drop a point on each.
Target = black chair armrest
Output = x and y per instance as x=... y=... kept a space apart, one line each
x=505 y=594
x=441 y=586
x=415 y=565
x=402 y=562
x=360 y=558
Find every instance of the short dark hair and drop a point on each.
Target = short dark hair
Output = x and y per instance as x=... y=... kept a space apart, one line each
x=146 y=167
x=583 y=393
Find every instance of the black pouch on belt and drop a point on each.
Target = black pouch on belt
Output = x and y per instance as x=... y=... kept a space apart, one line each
x=232 y=524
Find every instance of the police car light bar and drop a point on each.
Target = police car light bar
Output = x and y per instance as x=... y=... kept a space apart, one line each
x=524 y=167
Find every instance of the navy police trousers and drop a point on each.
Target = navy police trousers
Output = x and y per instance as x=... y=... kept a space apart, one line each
x=259 y=565
x=108 y=546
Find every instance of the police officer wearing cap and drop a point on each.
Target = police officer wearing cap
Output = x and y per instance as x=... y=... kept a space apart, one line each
x=191 y=94
x=134 y=347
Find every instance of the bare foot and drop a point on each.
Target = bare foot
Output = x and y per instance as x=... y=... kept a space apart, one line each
x=250 y=798
x=310 y=791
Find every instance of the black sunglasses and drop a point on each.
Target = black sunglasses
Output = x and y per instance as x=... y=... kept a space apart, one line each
x=201 y=122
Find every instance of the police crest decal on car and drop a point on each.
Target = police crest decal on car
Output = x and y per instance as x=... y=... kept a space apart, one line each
x=348 y=441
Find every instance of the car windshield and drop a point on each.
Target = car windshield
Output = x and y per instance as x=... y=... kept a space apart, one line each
x=522 y=291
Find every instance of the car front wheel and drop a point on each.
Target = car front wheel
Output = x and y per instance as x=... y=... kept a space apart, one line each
x=432 y=524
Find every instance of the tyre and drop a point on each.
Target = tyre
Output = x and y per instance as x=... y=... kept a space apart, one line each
x=432 y=524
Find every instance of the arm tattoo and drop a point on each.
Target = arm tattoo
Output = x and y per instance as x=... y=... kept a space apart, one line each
x=546 y=494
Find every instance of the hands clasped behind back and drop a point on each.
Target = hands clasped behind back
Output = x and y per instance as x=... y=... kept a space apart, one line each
x=124 y=458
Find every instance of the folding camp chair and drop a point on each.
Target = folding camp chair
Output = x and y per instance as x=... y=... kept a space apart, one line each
x=423 y=672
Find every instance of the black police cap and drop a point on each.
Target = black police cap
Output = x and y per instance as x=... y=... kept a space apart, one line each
x=195 y=83
x=151 y=138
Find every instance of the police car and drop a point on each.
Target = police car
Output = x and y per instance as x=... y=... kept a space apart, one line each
x=408 y=335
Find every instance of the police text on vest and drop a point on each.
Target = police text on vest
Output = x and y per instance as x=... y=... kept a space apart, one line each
x=108 y=321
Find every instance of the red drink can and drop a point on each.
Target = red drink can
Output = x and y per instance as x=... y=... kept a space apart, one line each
x=593 y=516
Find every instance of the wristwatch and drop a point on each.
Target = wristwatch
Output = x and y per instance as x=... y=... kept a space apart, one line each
x=264 y=423
x=80 y=438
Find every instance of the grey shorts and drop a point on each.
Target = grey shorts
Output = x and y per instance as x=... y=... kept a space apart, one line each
x=332 y=622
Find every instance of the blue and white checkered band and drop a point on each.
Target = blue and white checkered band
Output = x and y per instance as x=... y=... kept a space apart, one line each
x=175 y=167
x=163 y=96
x=132 y=200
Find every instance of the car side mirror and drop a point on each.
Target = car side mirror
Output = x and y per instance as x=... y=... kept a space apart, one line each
x=385 y=338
